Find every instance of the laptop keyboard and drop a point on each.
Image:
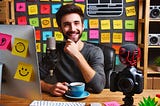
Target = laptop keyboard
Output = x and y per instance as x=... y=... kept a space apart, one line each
x=55 y=103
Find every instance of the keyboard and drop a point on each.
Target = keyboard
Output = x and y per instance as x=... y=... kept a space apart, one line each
x=55 y=103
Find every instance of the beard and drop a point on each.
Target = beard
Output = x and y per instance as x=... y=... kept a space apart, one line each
x=67 y=34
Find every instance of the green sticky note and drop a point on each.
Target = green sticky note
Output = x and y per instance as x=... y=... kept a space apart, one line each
x=44 y=48
x=129 y=24
x=34 y=22
x=84 y=36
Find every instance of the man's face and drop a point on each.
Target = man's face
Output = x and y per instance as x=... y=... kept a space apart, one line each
x=71 y=26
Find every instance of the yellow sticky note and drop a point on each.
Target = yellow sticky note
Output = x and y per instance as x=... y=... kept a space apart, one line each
x=105 y=38
x=93 y=23
x=130 y=11
x=55 y=25
x=58 y=36
x=127 y=1
x=117 y=24
x=117 y=37
x=38 y=47
x=82 y=6
x=20 y=47
x=105 y=24
x=46 y=22
x=24 y=72
x=32 y=9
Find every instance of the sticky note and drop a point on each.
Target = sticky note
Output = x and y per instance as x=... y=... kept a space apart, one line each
x=105 y=37
x=24 y=72
x=117 y=37
x=38 y=47
x=130 y=11
x=84 y=36
x=46 y=34
x=34 y=21
x=55 y=8
x=93 y=34
x=105 y=24
x=117 y=24
x=38 y=35
x=129 y=36
x=20 y=47
x=55 y=0
x=45 y=8
x=32 y=9
x=112 y=103
x=46 y=22
x=22 y=20
x=79 y=0
x=129 y=24
x=85 y=23
x=82 y=6
x=20 y=7
x=93 y=23
x=44 y=48
x=58 y=36
x=5 y=41
x=55 y=25
x=116 y=47
x=127 y=1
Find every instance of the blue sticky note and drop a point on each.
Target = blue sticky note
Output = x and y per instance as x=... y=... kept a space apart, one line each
x=46 y=34
x=55 y=8
x=85 y=23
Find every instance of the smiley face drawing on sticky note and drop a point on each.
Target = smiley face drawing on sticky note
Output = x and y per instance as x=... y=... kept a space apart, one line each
x=20 y=47
x=24 y=72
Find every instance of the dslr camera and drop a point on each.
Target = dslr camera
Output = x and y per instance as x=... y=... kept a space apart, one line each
x=129 y=81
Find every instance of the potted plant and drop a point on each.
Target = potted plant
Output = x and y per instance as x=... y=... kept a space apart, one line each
x=148 y=102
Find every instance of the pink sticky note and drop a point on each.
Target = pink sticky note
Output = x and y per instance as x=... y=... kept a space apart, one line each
x=79 y=0
x=93 y=34
x=113 y=103
x=129 y=36
x=5 y=41
x=21 y=7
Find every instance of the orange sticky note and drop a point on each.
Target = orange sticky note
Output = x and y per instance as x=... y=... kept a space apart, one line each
x=24 y=72
x=20 y=47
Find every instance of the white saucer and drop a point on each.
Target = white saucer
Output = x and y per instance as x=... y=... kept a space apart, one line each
x=84 y=95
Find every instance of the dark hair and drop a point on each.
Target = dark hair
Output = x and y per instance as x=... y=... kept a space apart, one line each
x=66 y=9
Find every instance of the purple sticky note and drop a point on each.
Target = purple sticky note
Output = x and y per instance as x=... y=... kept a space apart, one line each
x=5 y=41
x=113 y=103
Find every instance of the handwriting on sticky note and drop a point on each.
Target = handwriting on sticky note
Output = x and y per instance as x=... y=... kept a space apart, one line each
x=105 y=38
x=38 y=47
x=24 y=72
x=117 y=37
x=46 y=22
x=32 y=9
x=105 y=24
x=129 y=36
x=93 y=23
x=34 y=21
x=93 y=34
x=84 y=36
x=129 y=24
x=20 y=47
x=117 y=24
x=58 y=36
x=5 y=41
x=130 y=11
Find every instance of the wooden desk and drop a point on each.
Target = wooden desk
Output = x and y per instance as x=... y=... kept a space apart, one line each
x=104 y=96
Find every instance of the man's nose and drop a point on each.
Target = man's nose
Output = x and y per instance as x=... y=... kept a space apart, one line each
x=72 y=27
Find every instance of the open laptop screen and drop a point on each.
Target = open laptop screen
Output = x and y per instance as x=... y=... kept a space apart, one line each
x=20 y=72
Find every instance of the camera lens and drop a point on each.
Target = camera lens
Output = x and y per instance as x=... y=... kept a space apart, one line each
x=154 y=13
x=125 y=84
x=153 y=40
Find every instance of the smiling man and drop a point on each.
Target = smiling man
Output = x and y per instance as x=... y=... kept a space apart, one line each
x=78 y=61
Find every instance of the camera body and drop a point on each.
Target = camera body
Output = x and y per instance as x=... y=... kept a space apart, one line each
x=129 y=81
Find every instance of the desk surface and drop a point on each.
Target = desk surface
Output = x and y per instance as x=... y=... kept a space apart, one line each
x=104 y=96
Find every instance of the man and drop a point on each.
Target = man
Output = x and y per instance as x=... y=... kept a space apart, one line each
x=78 y=61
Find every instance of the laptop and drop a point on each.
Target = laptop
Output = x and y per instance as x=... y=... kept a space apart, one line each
x=19 y=62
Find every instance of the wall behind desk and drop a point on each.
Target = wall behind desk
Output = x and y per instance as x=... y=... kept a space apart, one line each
x=108 y=29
